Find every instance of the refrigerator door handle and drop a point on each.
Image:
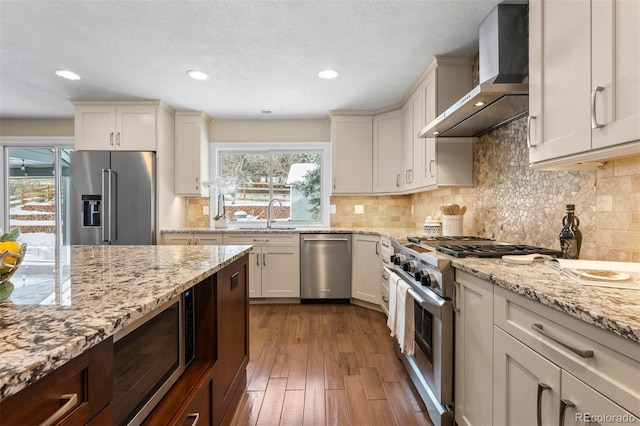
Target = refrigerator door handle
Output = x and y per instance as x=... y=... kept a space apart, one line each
x=112 y=206
x=103 y=235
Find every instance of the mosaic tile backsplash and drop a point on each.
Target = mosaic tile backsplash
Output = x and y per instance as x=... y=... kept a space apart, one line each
x=512 y=203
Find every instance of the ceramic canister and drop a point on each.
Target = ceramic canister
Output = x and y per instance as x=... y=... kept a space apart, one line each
x=432 y=227
x=452 y=225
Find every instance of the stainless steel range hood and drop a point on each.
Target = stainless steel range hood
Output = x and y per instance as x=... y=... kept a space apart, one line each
x=504 y=63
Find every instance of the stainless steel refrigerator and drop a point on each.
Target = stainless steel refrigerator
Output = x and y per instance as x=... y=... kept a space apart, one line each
x=112 y=199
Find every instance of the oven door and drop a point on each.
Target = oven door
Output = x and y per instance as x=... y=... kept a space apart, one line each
x=431 y=368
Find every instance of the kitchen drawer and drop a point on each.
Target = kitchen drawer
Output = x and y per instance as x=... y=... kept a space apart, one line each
x=87 y=378
x=384 y=292
x=613 y=369
x=386 y=251
x=262 y=239
x=190 y=397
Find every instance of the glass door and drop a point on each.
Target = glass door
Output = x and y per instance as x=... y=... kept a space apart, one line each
x=37 y=188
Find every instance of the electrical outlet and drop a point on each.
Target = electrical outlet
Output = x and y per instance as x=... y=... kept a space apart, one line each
x=332 y=208
x=205 y=210
x=359 y=209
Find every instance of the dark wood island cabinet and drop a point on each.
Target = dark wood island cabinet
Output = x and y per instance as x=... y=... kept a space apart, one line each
x=206 y=389
x=79 y=390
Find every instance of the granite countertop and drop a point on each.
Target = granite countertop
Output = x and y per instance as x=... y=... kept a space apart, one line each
x=613 y=309
x=398 y=233
x=68 y=300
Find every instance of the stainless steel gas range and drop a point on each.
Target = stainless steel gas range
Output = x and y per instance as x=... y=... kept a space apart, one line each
x=425 y=264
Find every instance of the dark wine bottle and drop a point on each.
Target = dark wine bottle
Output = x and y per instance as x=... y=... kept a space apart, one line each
x=570 y=236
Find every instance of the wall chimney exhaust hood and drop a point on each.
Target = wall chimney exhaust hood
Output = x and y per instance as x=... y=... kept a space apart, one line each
x=504 y=64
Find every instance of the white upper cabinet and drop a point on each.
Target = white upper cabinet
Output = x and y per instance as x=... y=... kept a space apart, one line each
x=584 y=81
x=192 y=154
x=351 y=154
x=615 y=69
x=109 y=126
x=445 y=162
x=387 y=152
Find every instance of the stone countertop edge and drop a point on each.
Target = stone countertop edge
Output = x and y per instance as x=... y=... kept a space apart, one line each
x=35 y=339
x=612 y=309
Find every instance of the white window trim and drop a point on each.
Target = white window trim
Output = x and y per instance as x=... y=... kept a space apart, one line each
x=324 y=148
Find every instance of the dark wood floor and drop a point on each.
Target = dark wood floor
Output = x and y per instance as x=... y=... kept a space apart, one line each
x=324 y=365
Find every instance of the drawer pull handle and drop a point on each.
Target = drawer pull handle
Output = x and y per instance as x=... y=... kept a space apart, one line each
x=583 y=353
x=195 y=417
x=541 y=388
x=71 y=400
x=385 y=300
x=564 y=403
x=260 y=240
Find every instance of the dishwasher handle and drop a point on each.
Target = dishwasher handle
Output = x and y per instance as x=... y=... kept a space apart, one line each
x=324 y=239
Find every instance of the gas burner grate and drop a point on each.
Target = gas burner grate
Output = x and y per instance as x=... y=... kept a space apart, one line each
x=493 y=250
x=418 y=240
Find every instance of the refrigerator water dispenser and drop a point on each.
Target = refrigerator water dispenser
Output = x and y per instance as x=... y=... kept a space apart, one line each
x=91 y=210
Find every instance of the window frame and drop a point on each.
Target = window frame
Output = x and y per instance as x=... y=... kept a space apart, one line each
x=322 y=148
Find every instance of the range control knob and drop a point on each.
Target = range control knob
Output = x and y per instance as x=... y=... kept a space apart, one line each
x=410 y=266
x=399 y=259
x=426 y=279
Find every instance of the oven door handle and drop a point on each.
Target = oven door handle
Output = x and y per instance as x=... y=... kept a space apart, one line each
x=432 y=304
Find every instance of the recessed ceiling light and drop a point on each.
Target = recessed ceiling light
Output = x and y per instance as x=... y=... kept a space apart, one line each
x=479 y=104
x=198 y=75
x=328 y=74
x=436 y=133
x=69 y=75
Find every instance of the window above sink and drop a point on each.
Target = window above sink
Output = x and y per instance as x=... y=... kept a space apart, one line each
x=248 y=175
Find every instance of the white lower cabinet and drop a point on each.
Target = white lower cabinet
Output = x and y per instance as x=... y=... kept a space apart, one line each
x=274 y=264
x=365 y=279
x=519 y=362
x=530 y=390
x=582 y=404
x=192 y=239
x=474 y=350
x=526 y=385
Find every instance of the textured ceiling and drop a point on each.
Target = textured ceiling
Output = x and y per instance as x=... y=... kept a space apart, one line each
x=260 y=54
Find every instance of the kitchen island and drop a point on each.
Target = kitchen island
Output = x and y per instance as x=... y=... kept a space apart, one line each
x=85 y=294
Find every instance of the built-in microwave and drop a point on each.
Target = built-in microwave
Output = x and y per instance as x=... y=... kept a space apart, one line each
x=149 y=356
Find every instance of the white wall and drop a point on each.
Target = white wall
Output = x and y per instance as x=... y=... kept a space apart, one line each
x=36 y=127
x=270 y=130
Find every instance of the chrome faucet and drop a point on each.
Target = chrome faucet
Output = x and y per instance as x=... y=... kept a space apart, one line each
x=269 y=210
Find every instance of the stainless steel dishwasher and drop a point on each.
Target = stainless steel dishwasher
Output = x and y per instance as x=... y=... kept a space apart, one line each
x=325 y=267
